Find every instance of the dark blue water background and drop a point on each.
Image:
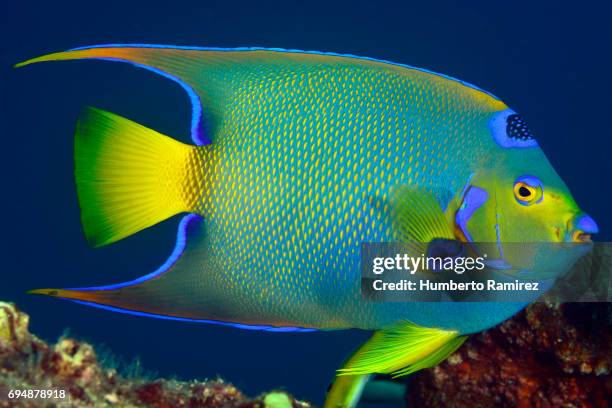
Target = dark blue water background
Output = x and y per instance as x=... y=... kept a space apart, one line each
x=551 y=61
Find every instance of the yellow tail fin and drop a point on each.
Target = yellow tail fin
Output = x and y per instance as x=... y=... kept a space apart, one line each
x=129 y=177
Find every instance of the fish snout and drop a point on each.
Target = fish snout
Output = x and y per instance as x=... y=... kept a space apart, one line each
x=580 y=228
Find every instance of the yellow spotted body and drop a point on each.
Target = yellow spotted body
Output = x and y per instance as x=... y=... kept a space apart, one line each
x=299 y=155
x=299 y=172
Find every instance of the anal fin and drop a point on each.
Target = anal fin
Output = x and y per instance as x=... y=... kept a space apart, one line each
x=178 y=290
x=128 y=295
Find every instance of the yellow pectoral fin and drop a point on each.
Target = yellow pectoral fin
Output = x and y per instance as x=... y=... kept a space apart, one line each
x=417 y=216
x=402 y=350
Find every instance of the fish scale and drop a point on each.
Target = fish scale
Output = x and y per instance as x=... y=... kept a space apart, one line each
x=315 y=156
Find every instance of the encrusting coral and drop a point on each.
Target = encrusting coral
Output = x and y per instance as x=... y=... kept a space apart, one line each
x=28 y=363
x=546 y=356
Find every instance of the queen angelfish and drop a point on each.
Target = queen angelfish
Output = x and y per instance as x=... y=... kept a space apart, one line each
x=297 y=158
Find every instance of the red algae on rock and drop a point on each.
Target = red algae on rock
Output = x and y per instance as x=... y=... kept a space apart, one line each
x=28 y=363
x=546 y=356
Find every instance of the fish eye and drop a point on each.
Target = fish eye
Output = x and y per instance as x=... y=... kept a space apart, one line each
x=524 y=192
x=528 y=190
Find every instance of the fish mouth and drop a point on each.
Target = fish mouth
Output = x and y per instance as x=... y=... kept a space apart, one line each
x=582 y=237
x=581 y=228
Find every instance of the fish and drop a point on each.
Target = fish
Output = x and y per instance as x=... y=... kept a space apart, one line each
x=297 y=159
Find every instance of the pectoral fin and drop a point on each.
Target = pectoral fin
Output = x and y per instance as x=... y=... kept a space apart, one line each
x=419 y=223
x=417 y=216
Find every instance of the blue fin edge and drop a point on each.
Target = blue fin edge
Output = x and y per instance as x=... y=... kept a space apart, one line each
x=187 y=223
x=190 y=320
x=197 y=128
x=193 y=48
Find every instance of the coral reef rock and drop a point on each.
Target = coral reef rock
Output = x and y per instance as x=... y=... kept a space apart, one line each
x=546 y=356
x=68 y=374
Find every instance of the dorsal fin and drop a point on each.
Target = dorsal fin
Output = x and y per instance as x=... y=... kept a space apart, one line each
x=199 y=77
x=210 y=76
